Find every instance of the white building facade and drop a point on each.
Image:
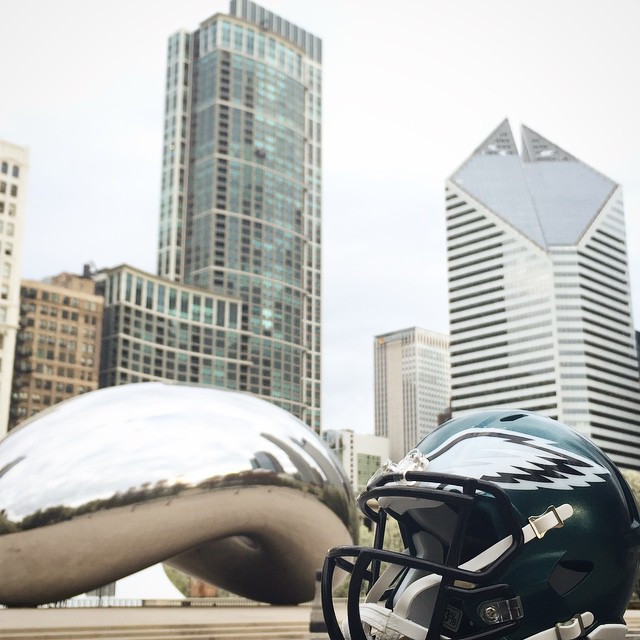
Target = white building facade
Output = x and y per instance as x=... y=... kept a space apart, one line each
x=360 y=454
x=14 y=168
x=539 y=294
x=412 y=386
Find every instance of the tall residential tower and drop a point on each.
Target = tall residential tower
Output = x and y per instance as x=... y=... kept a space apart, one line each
x=241 y=191
x=539 y=300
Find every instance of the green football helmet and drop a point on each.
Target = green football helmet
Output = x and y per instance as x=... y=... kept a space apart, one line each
x=515 y=527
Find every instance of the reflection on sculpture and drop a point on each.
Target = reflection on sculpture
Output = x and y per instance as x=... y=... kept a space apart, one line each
x=219 y=484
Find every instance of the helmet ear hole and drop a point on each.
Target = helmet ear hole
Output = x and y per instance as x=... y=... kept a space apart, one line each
x=568 y=574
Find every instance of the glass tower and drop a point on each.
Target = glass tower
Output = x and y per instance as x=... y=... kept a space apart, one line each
x=539 y=296
x=241 y=191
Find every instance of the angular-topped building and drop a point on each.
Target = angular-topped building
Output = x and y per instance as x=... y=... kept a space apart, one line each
x=241 y=192
x=539 y=301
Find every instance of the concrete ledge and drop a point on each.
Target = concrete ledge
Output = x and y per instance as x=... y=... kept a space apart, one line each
x=156 y=623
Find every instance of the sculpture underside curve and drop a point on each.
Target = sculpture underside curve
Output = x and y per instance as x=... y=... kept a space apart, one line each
x=221 y=485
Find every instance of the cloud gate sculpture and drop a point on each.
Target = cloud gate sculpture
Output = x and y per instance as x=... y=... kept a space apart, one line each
x=219 y=484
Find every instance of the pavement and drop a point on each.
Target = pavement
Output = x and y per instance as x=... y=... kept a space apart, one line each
x=251 y=616
x=15 y=618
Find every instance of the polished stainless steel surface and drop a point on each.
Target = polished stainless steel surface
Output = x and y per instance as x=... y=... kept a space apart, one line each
x=219 y=484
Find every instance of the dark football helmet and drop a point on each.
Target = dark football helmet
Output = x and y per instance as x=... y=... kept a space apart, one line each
x=515 y=527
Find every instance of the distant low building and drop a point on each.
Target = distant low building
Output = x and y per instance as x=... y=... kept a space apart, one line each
x=412 y=386
x=361 y=454
x=57 y=353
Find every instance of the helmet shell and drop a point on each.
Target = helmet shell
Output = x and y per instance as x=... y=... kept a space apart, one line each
x=590 y=563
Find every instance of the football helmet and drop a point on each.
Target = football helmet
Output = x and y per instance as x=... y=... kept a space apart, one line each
x=515 y=526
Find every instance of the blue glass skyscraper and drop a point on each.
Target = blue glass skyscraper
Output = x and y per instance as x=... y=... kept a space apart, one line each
x=241 y=192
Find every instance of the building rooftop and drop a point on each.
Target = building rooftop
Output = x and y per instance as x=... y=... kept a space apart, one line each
x=544 y=192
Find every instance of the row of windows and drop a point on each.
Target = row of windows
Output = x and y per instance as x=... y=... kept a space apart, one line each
x=12 y=191
x=50 y=370
x=52 y=325
x=49 y=385
x=224 y=345
x=7 y=229
x=15 y=169
x=8 y=207
x=65 y=314
x=28 y=336
x=31 y=293
x=253 y=43
x=162 y=298
x=267 y=376
x=62 y=354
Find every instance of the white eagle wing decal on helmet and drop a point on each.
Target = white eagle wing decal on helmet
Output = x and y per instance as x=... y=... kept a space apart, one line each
x=514 y=461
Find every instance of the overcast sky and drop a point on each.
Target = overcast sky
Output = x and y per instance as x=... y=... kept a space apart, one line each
x=410 y=89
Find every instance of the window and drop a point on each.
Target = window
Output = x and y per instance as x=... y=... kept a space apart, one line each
x=139 y=285
x=14 y=190
x=5 y=167
x=184 y=304
x=15 y=171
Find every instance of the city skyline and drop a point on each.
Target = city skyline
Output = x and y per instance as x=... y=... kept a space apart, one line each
x=397 y=120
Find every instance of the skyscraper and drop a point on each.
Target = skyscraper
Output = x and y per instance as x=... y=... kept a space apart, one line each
x=411 y=370
x=539 y=301
x=14 y=167
x=241 y=190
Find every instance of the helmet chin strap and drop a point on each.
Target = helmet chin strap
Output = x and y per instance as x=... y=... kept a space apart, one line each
x=575 y=628
x=392 y=624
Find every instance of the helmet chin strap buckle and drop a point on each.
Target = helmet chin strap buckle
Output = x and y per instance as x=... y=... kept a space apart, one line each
x=575 y=627
x=552 y=518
